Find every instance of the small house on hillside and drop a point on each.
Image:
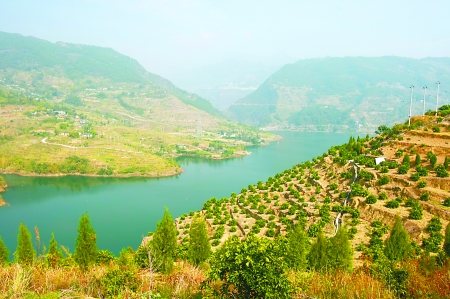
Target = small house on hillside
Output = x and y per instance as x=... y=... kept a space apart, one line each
x=378 y=160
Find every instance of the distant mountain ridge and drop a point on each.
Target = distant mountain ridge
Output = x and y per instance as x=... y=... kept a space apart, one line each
x=228 y=81
x=79 y=62
x=342 y=94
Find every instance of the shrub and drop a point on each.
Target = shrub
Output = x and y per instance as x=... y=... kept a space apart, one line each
x=447 y=202
x=416 y=212
x=421 y=184
x=403 y=169
x=392 y=204
x=441 y=172
x=270 y=232
x=425 y=196
x=104 y=257
x=371 y=199
x=333 y=186
x=383 y=180
x=384 y=169
x=358 y=190
x=116 y=280
x=382 y=196
x=422 y=171
x=433 y=160
x=415 y=177
x=366 y=175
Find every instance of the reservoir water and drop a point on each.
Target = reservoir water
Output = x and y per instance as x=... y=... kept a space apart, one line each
x=123 y=210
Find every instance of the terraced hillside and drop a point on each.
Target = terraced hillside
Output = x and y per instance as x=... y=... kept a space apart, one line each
x=315 y=193
x=62 y=100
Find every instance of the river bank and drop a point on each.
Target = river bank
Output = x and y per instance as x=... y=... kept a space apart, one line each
x=3 y=187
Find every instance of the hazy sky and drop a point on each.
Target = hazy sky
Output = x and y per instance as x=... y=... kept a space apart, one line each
x=167 y=36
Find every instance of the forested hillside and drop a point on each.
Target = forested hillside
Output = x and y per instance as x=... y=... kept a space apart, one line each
x=351 y=94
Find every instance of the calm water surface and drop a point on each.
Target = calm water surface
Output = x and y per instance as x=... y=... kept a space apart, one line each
x=122 y=210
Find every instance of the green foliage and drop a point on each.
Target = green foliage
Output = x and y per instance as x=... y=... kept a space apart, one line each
x=422 y=171
x=371 y=199
x=86 y=244
x=297 y=248
x=366 y=175
x=333 y=186
x=421 y=184
x=164 y=243
x=199 y=248
x=418 y=159
x=340 y=252
x=358 y=190
x=117 y=280
x=392 y=204
x=441 y=172
x=383 y=180
x=104 y=257
x=253 y=268
x=403 y=169
x=25 y=252
x=424 y=196
x=447 y=241
x=433 y=160
x=313 y=230
x=54 y=254
x=73 y=100
x=398 y=245
x=433 y=242
x=415 y=177
x=4 y=253
x=447 y=202
x=382 y=196
x=318 y=255
x=406 y=160
x=416 y=212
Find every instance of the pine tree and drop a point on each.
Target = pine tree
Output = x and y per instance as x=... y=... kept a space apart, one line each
x=340 y=252
x=25 y=252
x=318 y=258
x=397 y=246
x=417 y=162
x=54 y=253
x=447 y=240
x=86 y=244
x=199 y=248
x=4 y=253
x=297 y=248
x=164 y=243
x=446 y=162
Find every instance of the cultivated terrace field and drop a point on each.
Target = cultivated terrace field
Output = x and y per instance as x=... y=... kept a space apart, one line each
x=120 y=130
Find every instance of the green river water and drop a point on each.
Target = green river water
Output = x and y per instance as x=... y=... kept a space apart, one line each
x=123 y=210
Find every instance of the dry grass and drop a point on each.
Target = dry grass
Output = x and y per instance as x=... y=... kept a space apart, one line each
x=70 y=282
x=339 y=285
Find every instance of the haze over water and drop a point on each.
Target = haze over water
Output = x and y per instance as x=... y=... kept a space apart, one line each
x=122 y=211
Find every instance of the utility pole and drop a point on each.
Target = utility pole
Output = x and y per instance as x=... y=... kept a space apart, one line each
x=437 y=96
x=424 y=95
x=410 y=105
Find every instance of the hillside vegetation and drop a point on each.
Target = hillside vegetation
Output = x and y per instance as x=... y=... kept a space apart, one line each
x=351 y=94
x=341 y=225
x=85 y=110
